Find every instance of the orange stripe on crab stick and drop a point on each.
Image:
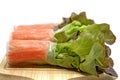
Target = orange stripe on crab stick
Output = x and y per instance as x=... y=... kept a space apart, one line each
x=41 y=34
x=27 y=50
x=35 y=26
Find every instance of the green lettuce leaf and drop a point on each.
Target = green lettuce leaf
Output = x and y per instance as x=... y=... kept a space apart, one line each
x=81 y=17
x=81 y=43
x=87 y=51
x=97 y=54
x=65 y=33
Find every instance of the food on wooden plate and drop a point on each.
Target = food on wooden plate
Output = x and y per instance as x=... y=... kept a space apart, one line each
x=78 y=43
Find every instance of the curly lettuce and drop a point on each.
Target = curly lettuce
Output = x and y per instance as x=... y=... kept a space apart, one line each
x=81 y=43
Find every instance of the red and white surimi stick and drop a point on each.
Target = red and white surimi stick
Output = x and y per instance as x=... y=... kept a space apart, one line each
x=27 y=50
x=38 y=34
x=34 y=32
x=35 y=26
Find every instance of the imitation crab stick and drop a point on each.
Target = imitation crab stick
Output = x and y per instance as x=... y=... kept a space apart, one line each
x=27 y=50
x=33 y=32
x=38 y=34
x=35 y=26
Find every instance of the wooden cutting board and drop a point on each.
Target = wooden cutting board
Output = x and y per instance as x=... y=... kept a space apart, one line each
x=46 y=72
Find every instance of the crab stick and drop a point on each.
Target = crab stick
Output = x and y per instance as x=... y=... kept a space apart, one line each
x=27 y=50
x=41 y=34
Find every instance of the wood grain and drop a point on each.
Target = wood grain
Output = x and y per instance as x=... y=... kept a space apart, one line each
x=37 y=72
x=47 y=72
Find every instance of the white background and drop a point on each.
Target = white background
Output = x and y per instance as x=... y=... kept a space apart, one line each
x=16 y=12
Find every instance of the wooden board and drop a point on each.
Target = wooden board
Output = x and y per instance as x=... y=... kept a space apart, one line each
x=46 y=72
